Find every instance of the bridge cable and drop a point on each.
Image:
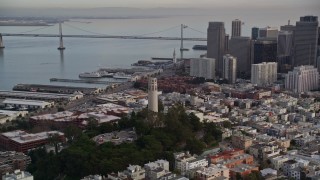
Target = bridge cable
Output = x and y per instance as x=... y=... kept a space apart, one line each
x=34 y=30
x=196 y=30
x=157 y=32
x=128 y=35
x=83 y=29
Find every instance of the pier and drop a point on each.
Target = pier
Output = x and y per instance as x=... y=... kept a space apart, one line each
x=89 y=81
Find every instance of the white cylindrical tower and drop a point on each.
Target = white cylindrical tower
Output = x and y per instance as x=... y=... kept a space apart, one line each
x=153 y=95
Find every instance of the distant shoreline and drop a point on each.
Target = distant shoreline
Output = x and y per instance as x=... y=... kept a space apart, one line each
x=24 y=24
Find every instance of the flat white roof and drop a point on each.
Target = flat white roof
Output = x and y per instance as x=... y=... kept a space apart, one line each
x=25 y=102
x=24 y=137
x=24 y=94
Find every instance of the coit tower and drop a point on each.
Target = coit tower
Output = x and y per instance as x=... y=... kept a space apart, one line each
x=152 y=95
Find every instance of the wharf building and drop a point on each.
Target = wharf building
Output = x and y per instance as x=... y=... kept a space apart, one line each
x=263 y=74
x=203 y=67
x=55 y=89
x=305 y=41
x=241 y=48
x=229 y=68
x=40 y=96
x=216 y=36
x=22 y=141
x=236 y=28
x=285 y=51
x=302 y=79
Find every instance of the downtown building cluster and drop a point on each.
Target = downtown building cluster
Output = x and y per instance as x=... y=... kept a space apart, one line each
x=268 y=52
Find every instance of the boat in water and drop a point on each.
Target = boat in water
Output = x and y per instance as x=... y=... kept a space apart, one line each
x=106 y=74
x=121 y=75
x=90 y=75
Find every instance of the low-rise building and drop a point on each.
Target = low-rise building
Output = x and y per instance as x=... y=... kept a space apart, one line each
x=18 y=175
x=212 y=172
x=185 y=162
x=22 y=141
x=11 y=160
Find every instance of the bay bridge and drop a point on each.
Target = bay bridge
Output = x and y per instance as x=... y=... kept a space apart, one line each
x=99 y=35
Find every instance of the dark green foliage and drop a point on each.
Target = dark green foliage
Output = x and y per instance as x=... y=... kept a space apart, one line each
x=83 y=156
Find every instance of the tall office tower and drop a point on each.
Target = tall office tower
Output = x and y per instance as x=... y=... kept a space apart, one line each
x=153 y=95
x=305 y=41
x=240 y=47
x=229 y=68
x=284 y=51
x=264 y=73
x=285 y=43
x=268 y=32
x=302 y=79
x=254 y=33
x=236 y=28
x=264 y=51
x=203 y=67
x=226 y=43
x=216 y=43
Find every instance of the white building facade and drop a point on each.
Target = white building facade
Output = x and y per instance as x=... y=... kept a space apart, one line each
x=229 y=71
x=264 y=73
x=203 y=67
x=302 y=79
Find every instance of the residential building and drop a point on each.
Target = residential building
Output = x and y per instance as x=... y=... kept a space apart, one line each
x=216 y=43
x=135 y=172
x=11 y=160
x=18 y=175
x=203 y=67
x=229 y=68
x=241 y=141
x=157 y=169
x=231 y=158
x=302 y=79
x=291 y=169
x=240 y=47
x=212 y=172
x=305 y=41
x=264 y=73
x=185 y=162
x=236 y=28
x=242 y=170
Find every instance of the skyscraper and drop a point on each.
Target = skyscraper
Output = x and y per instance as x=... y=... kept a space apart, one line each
x=268 y=32
x=305 y=41
x=254 y=33
x=240 y=47
x=284 y=51
x=236 y=28
x=203 y=67
x=216 y=43
x=153 y=95
x=229 y=68
x=226 y=43
x=265 y=51
x=302 y=79
x=264 y=73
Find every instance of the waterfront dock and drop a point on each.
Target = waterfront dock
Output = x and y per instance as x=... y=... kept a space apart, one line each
x=89 y=81
x=55 y=89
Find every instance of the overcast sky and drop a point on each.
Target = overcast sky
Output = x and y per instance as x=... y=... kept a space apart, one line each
x=157 y=3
